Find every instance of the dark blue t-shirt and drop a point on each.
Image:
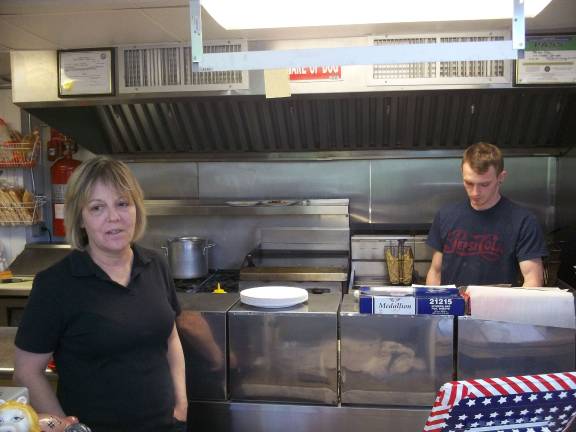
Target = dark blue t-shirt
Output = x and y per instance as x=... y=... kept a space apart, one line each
x=484 y=247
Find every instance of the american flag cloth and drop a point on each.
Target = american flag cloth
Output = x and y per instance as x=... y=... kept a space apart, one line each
x=529 y=403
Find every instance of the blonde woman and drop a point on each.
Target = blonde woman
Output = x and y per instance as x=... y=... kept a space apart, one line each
x=106 y=314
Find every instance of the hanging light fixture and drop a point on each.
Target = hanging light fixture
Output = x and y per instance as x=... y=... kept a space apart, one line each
x=251 y=14
x=257 y=14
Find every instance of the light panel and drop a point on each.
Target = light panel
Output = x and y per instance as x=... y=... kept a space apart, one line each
x=256 y=14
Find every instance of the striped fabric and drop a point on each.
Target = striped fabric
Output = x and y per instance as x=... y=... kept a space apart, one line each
x=530 y=403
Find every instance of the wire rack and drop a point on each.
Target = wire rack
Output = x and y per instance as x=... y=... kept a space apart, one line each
x=18 y=213
x=20 y=154
x=400 y=263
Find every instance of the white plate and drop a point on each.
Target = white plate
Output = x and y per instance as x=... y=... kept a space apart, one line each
x=242 y=203
x=273 y=296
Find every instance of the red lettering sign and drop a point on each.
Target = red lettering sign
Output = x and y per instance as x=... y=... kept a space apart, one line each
x=315 y=73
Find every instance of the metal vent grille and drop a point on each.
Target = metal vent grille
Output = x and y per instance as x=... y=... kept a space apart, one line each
x=457 y=72
x=146 y=69
x=404 y=70
x=488 y=68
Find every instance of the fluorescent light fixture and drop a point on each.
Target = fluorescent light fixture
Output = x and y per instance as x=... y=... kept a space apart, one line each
x=256 y=14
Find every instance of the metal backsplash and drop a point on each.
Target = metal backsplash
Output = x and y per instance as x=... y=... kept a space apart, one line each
x=412 y=191
x=405 y=192
x=285 y=180
x=566 y=191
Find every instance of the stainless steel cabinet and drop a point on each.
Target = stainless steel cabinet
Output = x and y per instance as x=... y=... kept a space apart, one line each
x=493 y=348
x=203 y=332
x=393 y=359
x=285 y=355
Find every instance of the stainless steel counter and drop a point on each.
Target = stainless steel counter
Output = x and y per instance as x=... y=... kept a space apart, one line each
x=285 y=355
x=20 y=288
x=270 y=417
x=393 y=359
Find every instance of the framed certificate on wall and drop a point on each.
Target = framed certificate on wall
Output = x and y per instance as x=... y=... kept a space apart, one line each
x=86 y=72
x=548 y=60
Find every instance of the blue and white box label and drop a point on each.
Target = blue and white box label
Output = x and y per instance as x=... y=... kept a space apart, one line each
x=405 y=305
x=410 y=305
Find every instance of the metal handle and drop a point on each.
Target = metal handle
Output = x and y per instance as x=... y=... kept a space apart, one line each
x=165 y=249
x=208 y=246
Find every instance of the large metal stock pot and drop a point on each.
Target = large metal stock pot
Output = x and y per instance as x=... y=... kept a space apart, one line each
x=188 y=257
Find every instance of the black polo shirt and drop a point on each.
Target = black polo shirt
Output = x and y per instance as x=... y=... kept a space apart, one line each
x=109 y=341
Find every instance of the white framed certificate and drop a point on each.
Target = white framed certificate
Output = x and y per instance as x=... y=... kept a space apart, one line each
x=86 y=72
x=548 y=60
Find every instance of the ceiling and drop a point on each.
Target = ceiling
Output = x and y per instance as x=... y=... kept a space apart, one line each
x=66 y=24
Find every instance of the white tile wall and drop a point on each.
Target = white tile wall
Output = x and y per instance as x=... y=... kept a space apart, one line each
x=12 y=239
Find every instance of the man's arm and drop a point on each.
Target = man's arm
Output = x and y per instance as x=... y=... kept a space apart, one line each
x=533 y=272
x=434 y=276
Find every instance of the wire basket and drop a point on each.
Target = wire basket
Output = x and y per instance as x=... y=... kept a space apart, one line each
x=20 y=154
x=18 y=213
x=400 y=264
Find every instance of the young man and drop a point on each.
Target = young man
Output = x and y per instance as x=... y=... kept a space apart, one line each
x=487 y=239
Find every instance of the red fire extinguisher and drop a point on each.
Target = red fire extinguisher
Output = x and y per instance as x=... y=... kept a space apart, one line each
x=60 y=173
x=54 y=145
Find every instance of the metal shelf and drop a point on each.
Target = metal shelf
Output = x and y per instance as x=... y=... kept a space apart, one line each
x=15 y=208
x=306 y=207
x=20 y=154
x=22 y=214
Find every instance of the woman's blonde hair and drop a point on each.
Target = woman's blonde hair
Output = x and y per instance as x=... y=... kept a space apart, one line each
x=107 y=171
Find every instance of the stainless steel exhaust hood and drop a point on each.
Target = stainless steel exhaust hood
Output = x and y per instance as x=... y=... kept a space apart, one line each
x=530 y=120
x=243 y=124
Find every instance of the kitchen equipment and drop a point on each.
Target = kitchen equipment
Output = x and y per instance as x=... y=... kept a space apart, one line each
x=14 y=294
x=273 y=296
x=315 y=270
x=393 y=359
x=285 y=355
x=14 y=291
x=400 y=263
x=202 y=326
x=495 y=348
x=227 y=279
x=188 y=256
x=37 y=257
x=371 y=254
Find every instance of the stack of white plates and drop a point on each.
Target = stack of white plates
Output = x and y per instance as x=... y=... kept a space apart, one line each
x=273 y=296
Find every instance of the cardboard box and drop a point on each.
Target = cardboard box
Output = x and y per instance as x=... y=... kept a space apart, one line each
x=414 y=290
x=412 y=305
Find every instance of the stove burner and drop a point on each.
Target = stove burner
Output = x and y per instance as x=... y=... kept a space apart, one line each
x=228 y=280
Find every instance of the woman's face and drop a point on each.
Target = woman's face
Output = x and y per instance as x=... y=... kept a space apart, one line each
x=109 y=218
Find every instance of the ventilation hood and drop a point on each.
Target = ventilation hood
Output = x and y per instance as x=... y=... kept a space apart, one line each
x=349 y=118
x=534 y=121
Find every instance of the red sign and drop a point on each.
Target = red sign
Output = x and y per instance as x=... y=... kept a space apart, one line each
x=315 y=73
